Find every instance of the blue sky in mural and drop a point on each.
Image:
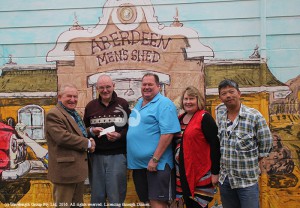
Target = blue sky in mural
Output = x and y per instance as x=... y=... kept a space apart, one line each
x=29 y=29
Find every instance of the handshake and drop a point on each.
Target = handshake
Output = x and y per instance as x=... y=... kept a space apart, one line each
x=92 y=145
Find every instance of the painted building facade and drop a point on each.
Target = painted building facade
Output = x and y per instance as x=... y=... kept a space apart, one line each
x=127 y=42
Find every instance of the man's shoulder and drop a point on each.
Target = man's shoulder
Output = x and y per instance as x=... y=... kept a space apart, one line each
x=53 y=110
x=92 y=103
x=164 y=99
x=166 y=103
x=221 y=110
x=251 y=114
x=56 y=111
x=249 y=110
x=121 y=100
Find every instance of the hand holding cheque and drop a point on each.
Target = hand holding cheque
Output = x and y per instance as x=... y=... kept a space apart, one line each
x=110 y=132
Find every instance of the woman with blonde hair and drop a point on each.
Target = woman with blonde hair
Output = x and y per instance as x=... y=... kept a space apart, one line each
x=197 y=152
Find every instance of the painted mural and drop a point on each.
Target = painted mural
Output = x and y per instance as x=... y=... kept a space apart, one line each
x=170 y=38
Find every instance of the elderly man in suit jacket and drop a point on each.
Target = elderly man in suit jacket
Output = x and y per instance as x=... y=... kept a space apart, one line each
x=67 y=145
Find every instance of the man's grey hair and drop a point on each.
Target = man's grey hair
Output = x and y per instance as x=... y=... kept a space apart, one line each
x=64 y=86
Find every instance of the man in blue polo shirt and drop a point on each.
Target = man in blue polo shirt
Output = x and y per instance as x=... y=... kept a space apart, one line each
x=152 y=123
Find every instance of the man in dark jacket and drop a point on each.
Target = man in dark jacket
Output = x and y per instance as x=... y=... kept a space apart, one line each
x=106 y=119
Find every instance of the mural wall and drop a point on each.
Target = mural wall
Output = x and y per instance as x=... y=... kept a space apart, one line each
x=185 y=42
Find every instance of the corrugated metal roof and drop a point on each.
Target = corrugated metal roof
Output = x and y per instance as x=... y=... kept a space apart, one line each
x=28 y=78
x=247 y=73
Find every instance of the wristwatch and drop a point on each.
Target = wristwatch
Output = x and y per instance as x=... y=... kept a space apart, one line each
x=155 y=159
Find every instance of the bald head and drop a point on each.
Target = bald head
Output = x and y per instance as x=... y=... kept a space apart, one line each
x=104 y=78
x=105 y=87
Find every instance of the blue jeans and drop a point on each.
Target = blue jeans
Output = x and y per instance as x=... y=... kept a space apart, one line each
x=109 y=179
x=239 y=197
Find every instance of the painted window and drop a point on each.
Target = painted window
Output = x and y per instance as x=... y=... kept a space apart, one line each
x=33 y=117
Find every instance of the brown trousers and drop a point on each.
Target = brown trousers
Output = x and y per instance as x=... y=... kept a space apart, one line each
x=68 y=195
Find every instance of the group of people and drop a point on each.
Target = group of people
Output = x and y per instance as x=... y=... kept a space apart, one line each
x=181 y=157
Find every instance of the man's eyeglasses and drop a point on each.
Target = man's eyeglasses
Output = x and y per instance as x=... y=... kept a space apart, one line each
x=101 y=88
